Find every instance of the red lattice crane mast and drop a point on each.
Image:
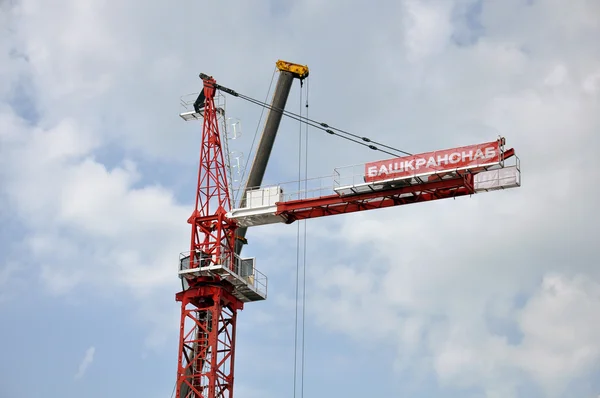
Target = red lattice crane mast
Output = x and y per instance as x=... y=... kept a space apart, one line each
x=217 y=282
x=208 y=306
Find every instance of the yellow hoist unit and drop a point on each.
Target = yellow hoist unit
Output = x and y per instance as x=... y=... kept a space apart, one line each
x=300 y=71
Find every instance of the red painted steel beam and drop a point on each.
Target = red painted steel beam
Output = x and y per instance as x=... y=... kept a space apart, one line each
x=335 y=204
x=343 y=208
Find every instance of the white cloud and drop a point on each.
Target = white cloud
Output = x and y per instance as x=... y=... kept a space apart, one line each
x=87 y=360
x=8 y=272
x=591 y=83
x=92 y=208
x=428 y=28
x=560 y=337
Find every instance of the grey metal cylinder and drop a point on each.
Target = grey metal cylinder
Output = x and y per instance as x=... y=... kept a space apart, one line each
x=265 y=145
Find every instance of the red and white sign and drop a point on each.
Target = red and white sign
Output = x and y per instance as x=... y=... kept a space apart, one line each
x=466 y=157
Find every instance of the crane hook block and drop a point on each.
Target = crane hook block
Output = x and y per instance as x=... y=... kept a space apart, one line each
x=299 y=71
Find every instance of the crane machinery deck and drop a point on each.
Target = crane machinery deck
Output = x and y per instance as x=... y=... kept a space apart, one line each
x=217 y=281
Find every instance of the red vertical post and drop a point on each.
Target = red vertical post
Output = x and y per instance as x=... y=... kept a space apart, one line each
x=208 y=306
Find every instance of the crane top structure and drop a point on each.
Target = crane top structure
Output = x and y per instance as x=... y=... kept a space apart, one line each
x=217 y=281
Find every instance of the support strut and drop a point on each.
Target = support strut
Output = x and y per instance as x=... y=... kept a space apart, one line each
x=288 y=72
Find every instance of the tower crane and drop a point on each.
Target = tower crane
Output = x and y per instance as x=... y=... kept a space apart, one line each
x=217 y=281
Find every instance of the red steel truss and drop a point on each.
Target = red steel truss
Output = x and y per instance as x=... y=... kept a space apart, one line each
x=437 y=186
x=212 y=232
x=207 y=342
x=335 y=204
x=208 y=307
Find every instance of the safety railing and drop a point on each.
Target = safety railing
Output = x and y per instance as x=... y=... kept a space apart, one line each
x=269 y=195
x=243 y=270
x=187 y=101
x=255 y=279
x=508 y=176
x=348 y=176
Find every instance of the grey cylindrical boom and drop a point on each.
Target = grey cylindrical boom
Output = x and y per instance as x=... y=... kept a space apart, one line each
x=265 y=145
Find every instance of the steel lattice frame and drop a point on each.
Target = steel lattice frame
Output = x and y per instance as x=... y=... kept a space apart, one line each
x=207 y=344
x=335 y=204
x=208 y=307
x=212 y=233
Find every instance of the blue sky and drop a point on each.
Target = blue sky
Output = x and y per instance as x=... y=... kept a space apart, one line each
x=489 y=296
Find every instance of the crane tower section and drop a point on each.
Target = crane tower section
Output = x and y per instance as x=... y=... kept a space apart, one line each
x=215 y=281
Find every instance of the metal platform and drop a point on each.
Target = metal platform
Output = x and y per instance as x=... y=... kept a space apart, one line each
x=259 y=207
x=190 y=114
x=249 y=283
x=351 y=180
x=503 y=178
x=254 y=217
x=365 y=187
x=245 y=288
x=193 y=115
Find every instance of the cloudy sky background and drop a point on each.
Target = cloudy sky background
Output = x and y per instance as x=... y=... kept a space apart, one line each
x=491 y=296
